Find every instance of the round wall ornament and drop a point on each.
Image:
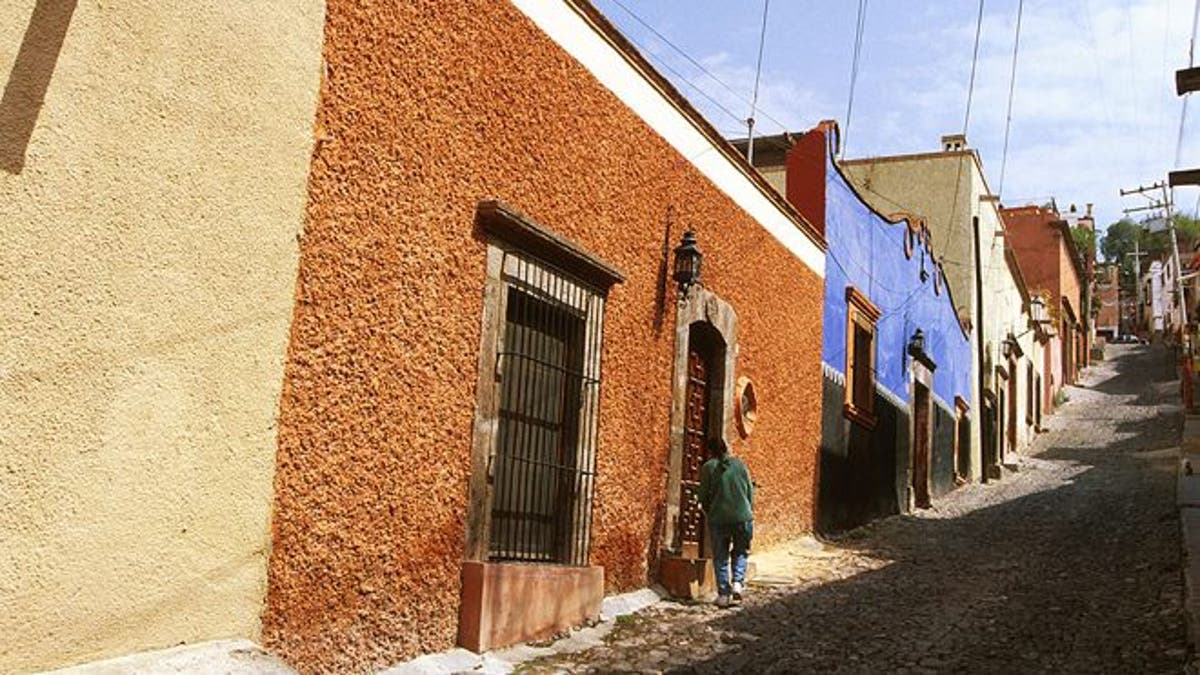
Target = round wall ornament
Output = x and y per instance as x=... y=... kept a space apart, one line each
x=745 y=406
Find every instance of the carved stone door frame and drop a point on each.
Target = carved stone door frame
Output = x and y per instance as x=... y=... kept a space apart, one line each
x=699 y=305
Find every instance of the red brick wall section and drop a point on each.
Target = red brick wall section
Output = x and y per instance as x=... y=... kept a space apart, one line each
x=806 y=175
x=426 y=108
x=1037 y=248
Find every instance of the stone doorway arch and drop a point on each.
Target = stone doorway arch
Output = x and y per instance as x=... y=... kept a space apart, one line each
x=702 y=392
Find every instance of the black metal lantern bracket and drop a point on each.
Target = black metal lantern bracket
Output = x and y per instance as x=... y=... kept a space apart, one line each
x=688 y=262
x=916 y=349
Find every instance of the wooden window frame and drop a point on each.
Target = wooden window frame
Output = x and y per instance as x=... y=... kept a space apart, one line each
x=516 y=247
x=961 y=410
x=860 y=313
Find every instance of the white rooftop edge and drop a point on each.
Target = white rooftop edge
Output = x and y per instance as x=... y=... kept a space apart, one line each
x=559 y=20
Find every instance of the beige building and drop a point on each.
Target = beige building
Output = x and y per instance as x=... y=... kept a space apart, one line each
x=153 y=159
x=948 y=189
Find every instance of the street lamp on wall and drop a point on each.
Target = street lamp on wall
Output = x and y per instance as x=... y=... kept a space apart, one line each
x=688 y=260
x=916 y=344
x=1009 y=347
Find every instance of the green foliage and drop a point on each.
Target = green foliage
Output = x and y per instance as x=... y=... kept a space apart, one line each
x=1085 y=242
x=1117 y=244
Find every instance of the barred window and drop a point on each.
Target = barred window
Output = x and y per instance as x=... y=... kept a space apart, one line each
x=549 y=370
x=534 y=447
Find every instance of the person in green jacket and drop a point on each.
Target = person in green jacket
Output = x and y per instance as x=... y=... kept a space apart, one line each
x=727 y=497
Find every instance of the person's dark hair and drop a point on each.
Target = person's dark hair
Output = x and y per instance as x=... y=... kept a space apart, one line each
x=717 y=447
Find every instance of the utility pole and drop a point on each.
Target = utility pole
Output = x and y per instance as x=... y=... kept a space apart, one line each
x=986 y=431
x=1164 y=204
x=1183 y=317
x=1137 y=276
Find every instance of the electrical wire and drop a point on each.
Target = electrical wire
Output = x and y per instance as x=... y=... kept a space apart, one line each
x=662 y=62
x=951 y=230
x=1191 y=63
x=688 y=57
x=1012 y=82
x=762 y=41
x=1101 y=82
x=974 y=62
x=1183 y=106
x=1162 y=102
x=859 y=29
x=1133 y=98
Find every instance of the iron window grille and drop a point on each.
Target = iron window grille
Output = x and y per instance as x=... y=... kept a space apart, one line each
x=548 y=370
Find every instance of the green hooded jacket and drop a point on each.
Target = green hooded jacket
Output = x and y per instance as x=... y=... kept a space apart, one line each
x=726 y=493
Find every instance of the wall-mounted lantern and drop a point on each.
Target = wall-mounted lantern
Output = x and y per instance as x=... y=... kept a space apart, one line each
x=688 y=260
x=1010 y=347
x=916 y=344
x=1037 y=309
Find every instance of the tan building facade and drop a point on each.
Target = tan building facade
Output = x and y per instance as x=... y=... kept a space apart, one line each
x=949 y=190
x=153 y=162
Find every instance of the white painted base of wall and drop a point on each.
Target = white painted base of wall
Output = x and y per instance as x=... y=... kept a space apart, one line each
x=232 y=657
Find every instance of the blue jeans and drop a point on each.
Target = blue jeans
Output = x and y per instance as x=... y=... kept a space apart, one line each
x=725 y=536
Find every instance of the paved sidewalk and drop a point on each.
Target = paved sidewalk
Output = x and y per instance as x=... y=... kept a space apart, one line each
x=1070 y=564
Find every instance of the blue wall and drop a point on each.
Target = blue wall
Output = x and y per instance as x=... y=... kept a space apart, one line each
x=867 y=251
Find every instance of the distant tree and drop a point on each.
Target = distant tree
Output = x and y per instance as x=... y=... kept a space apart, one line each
x=1085 y=242
x=1187 y=229
x=1118 y=243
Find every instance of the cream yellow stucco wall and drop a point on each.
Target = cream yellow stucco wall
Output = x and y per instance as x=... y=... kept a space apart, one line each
x=949 y=190
x=147 y=271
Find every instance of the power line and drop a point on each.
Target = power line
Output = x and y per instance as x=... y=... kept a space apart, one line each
x=1191 y=63
x=1012 y=83
x=662 y=62
x=688 y=57
x=1162 y=107
x=951 y=230
x=762 y=41
x=1133 y=98
x=859 y=29
x=1183 y=107
x=1102 y=83
x=974 y=62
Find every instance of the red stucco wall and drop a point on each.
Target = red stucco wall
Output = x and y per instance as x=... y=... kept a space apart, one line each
x=428 y=107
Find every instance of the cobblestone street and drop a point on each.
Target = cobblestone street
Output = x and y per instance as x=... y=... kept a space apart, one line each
x=1070 y=563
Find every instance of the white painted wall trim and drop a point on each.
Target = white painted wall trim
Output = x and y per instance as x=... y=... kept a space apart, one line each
x=559 y=20
x=833 y=373
x=895 y=400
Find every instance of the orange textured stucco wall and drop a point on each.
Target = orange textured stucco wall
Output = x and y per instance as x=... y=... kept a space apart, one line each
x=426 y=108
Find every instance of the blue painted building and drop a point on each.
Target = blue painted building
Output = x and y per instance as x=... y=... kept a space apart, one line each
x=896 y=357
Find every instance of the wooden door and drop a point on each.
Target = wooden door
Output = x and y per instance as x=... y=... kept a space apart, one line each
x=921 y=446
x=1012 y=407
x=695 y=441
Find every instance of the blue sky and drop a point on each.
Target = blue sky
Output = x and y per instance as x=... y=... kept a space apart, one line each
x=1094 y=109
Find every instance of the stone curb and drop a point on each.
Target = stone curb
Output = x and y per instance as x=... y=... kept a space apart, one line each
x=506 y=660
x=234 y=657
